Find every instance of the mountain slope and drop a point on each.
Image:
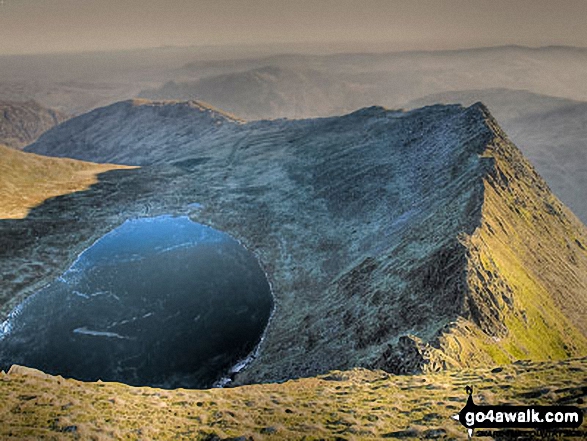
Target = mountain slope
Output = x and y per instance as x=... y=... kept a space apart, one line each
x=408 y=241
x=130 y=132
x=27 y=179
x=550 y=131
x=23 y=123
x=526 y=266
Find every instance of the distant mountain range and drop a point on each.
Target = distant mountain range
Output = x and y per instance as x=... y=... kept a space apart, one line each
x=392 y=79
x=76 y=83
x=23 y=122
x=268 y=92
x=295 y=85
x=408 y=241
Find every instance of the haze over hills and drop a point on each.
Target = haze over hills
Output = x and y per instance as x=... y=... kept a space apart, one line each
x=397 y=77
x=408 y=241
x=271 y=87
x=550 y=131
x=268 y=92
x=23 y=122
x=76 y=83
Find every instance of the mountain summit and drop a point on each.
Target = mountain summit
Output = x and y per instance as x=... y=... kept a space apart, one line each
x=134 y=131
x=408 y=241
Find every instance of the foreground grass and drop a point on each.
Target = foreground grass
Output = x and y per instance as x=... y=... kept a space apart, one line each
x=26 y=179
x=352 y=405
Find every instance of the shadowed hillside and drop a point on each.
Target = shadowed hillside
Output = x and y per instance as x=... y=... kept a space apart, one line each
x=137 y=132
x=23 y=123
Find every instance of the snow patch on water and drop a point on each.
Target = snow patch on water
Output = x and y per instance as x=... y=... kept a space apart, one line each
x=6 y=326
x=86 y=331
x=80 y=294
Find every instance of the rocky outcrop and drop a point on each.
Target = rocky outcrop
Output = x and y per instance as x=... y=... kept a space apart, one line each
x=409 y=241
x=526 y=268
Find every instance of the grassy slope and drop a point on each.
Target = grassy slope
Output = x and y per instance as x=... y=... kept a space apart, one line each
x=527 y=270
x=351 y=405
x=26 y=179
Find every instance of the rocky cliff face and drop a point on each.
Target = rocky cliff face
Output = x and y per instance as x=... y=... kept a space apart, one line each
x=23 y=123
x=526 y=269
x=408 y=241
x=550 y=132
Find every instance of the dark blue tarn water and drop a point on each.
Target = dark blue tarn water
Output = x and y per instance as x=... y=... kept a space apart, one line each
x=156 y=302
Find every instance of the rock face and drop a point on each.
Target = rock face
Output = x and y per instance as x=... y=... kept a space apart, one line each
x=408 y=241
x=23 y=123
x=550 y=131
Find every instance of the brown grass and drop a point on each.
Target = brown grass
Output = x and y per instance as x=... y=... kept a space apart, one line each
x=26 y=179
x=351 y=405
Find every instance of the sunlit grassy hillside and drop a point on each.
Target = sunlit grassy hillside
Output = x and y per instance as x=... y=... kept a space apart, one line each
x=352 y=405
x=26 y=179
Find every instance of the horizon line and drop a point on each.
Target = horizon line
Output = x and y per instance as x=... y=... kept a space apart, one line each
x=324 y=46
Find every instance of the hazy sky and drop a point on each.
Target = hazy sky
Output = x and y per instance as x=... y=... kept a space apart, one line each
x=30 y=26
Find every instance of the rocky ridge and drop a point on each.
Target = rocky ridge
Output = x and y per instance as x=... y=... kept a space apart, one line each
x=550 y=132
x=407 y=241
